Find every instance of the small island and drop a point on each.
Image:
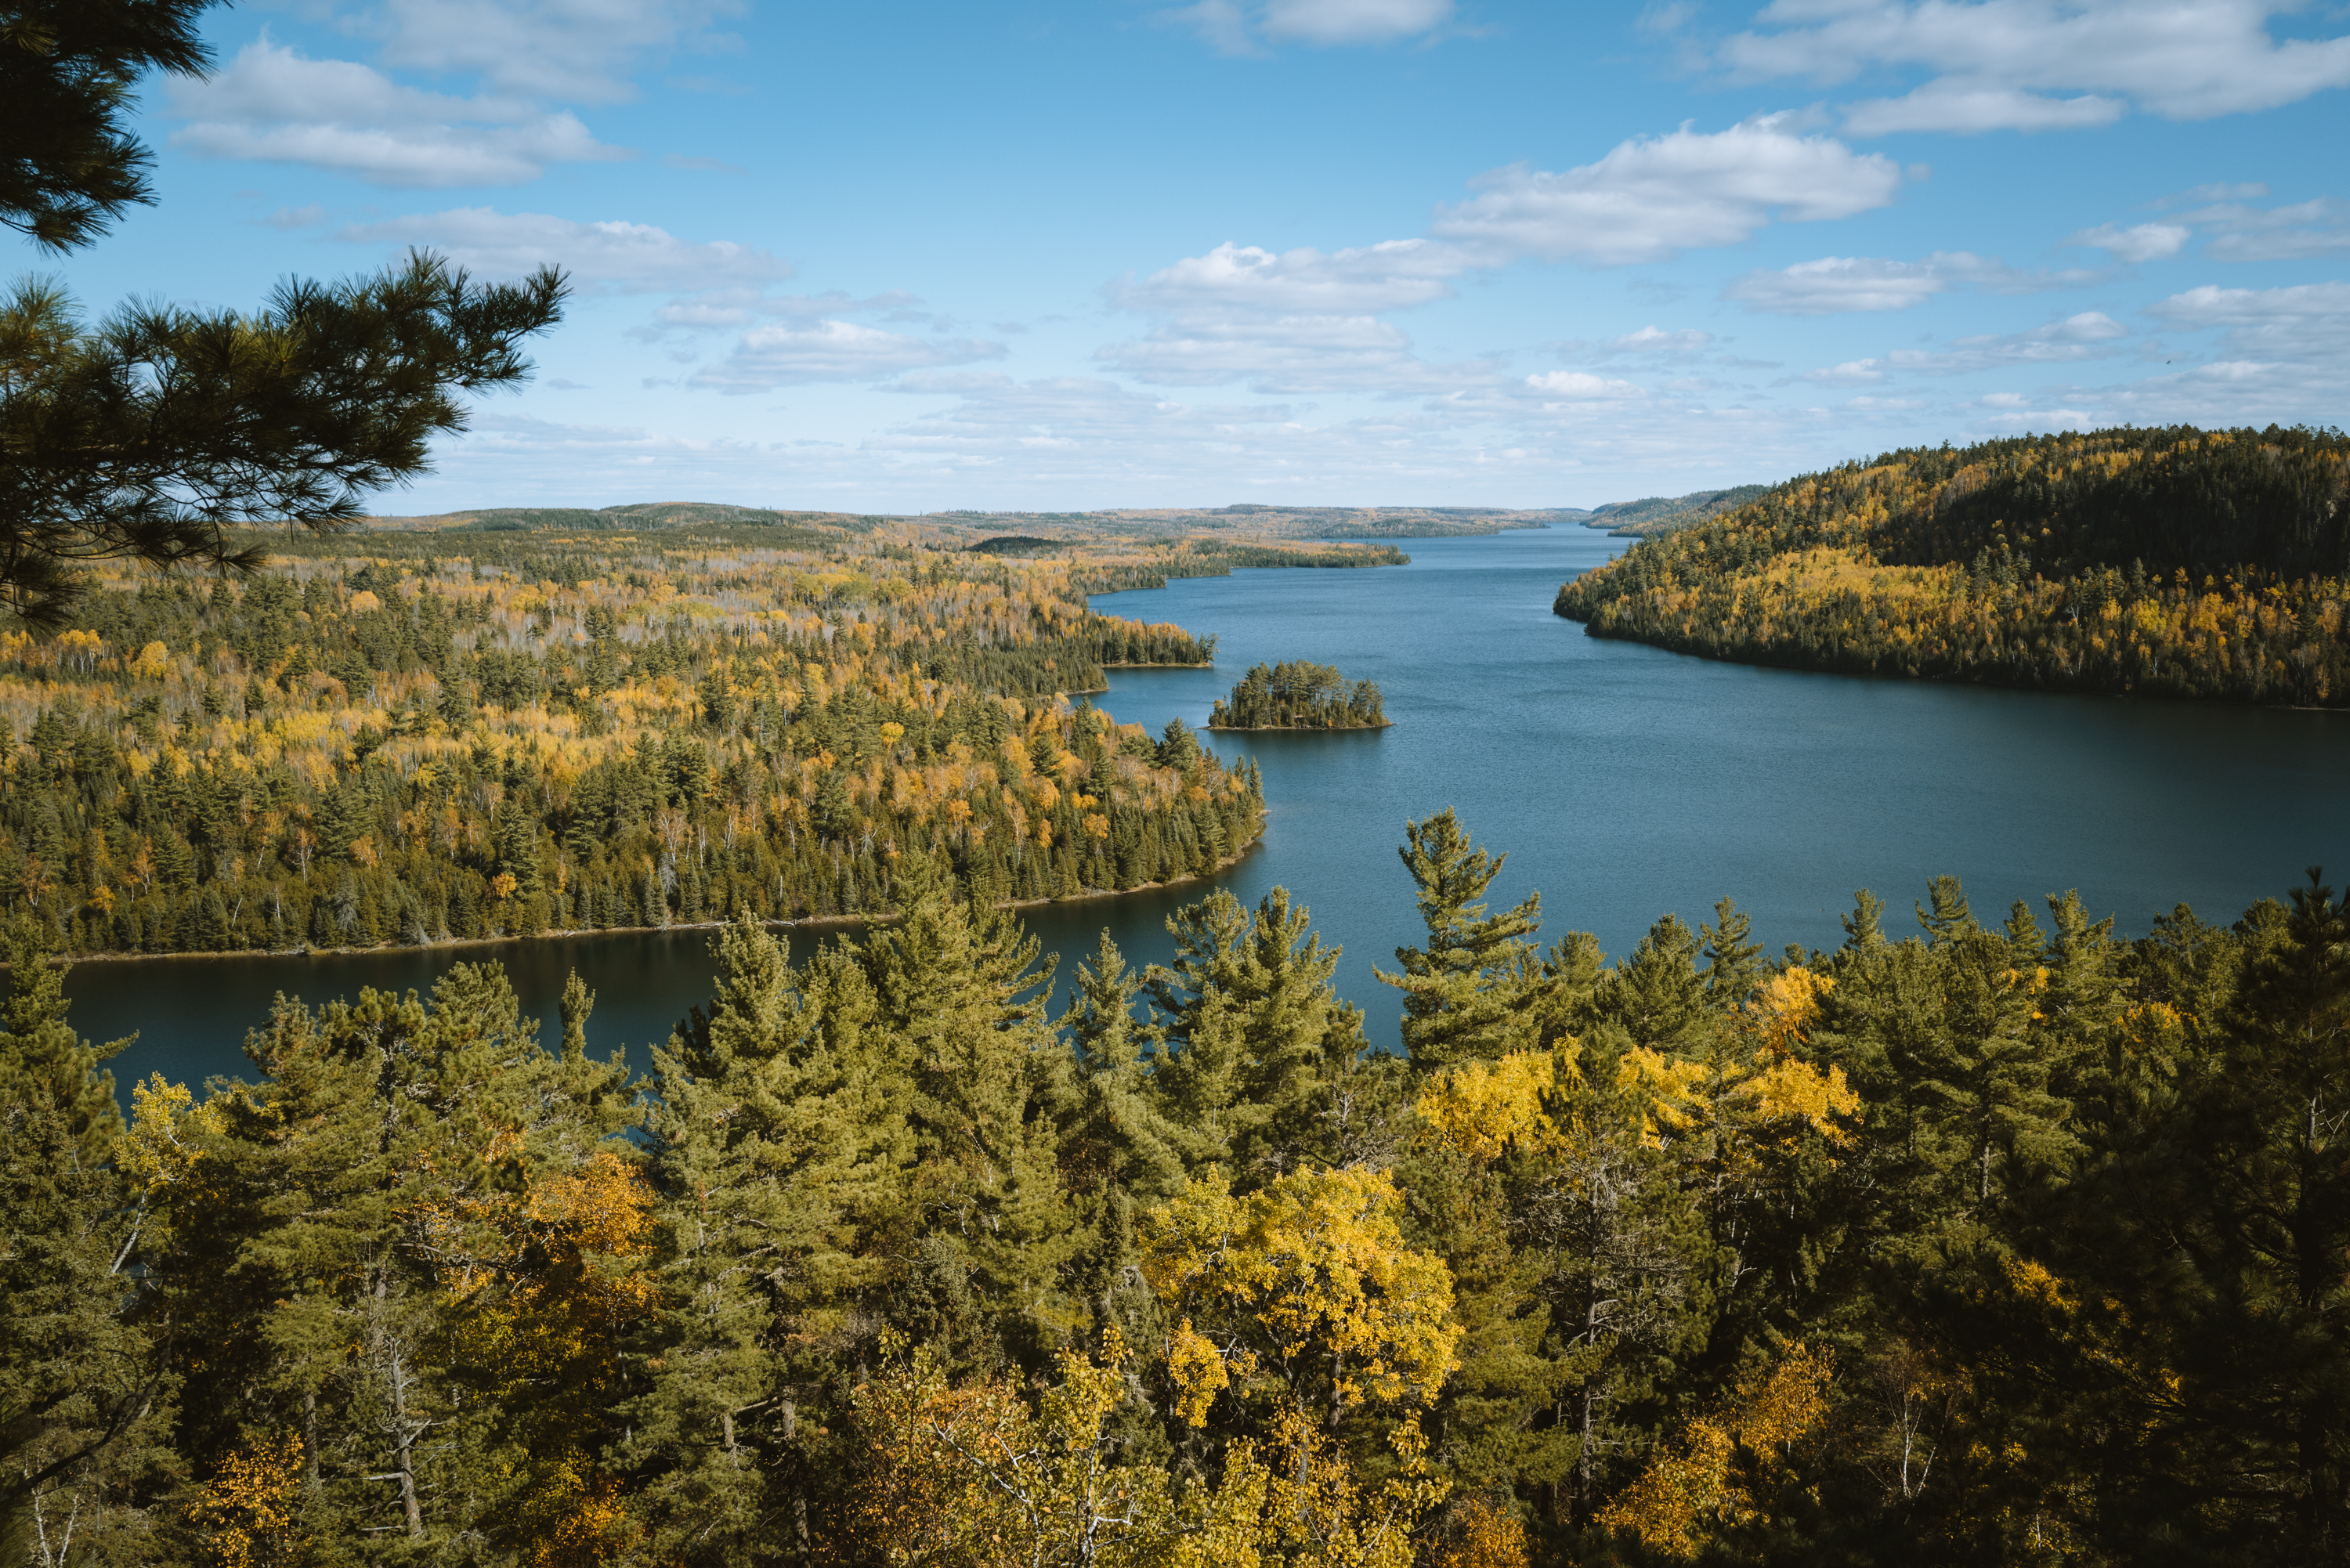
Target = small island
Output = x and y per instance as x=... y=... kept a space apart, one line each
x=1297 y=695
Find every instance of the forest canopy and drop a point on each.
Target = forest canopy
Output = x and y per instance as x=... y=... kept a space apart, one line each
x=2006 y=1241
x=404 y=737
x=1297 y=695
x=2166 y=562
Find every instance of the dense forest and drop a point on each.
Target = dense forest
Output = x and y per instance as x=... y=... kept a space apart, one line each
x=2009 y=1242
x=408 y=736
x=2171 y=563
x=1297 y=694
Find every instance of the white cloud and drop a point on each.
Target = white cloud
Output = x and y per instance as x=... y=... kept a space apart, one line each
x=2293 y=233
x=1834 y=285
x=1353 y=21
x=2307 y=322
x=1288 y=354
x=578 y=51
x=772 y=357
x=631 y=257
x=2091 y=335
x=1384 y=276
x=2142 y=243
x=1974 y=107
x=1678 y=345
x=1581 y=385
x=728 y=308
x=1651 y=197
x=2042 y=64
x=1231 y=27
x=274 y=105
x=1851 y=373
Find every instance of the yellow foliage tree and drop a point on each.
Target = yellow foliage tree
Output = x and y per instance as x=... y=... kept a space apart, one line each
x=1303 y=1290
x=1690 y=1487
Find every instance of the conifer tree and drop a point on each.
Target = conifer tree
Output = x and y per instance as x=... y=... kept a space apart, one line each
x=84 y=1400
x=1461 y=991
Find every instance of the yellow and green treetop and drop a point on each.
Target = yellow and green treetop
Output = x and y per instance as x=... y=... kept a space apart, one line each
x=405 y=736
x=2172 y=563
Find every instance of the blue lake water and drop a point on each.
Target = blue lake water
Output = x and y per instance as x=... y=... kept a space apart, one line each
x=1623 y=781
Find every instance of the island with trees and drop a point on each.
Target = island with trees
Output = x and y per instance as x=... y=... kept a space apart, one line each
x=2165 y=563
x=1297 y=694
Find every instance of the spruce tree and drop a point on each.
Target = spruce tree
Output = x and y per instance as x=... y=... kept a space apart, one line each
x=1462 y=991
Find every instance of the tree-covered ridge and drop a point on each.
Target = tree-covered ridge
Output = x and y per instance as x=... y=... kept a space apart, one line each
x=555 y=732
x=1657 y=515
x=1297 y=694
x=2001 y=1243
x=2174 y=561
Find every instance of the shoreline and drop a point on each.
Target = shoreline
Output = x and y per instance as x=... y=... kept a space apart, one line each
x=1295 y=729
x=816 y=922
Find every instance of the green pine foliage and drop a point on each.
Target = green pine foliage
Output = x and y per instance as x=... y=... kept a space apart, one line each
x=2023 y=1241
x=1297 y=694
x=2168 y=562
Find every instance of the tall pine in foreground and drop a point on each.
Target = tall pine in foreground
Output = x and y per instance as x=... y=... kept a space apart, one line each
x=1461 y=991
x=84 y=1401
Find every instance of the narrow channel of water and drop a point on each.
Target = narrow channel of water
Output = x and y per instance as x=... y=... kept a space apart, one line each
x=1625 y=782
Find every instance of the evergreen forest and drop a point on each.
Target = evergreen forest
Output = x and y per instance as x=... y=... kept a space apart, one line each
x=1297 y=694
x=2162 y=563
x=403 y=737
x=2000 y=1241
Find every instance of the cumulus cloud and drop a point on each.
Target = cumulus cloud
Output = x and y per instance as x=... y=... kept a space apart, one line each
x=1235 y=28
x=2296 y=231
x=275 y=105
x=1656 y=340
x=2091 y=335
x=2035 y=65
x=1581 y=385
x=781 y=356
x=1836 y=285
x=2140 y=243
x=2307 y=322
x=1384 y=276
x=1651 y=197
x=573 y=51
x=617 y=254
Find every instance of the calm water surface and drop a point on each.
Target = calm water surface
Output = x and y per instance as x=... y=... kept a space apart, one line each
x=1623 y=781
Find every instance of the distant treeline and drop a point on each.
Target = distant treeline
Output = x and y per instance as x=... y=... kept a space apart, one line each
x=409 y=746
x=2173 y=561
x=1298 y=695
x=1213 y=558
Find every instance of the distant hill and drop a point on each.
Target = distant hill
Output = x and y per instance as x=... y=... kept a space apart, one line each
x=2172 y=562
x=1663 y=514
x=1013 y=533
x=624 y=519
x=1269 y=521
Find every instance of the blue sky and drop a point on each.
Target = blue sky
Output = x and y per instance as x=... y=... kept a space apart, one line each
x=906 y=257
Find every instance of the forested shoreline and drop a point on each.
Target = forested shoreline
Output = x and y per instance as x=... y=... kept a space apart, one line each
x=2161 y=562
x=2004 y=1242
x=411 y=737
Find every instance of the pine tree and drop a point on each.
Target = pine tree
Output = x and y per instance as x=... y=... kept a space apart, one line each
x=85 y=1400
x=1462 y=991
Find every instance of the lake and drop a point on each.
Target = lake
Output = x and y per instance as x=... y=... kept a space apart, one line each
x=1623 y=781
